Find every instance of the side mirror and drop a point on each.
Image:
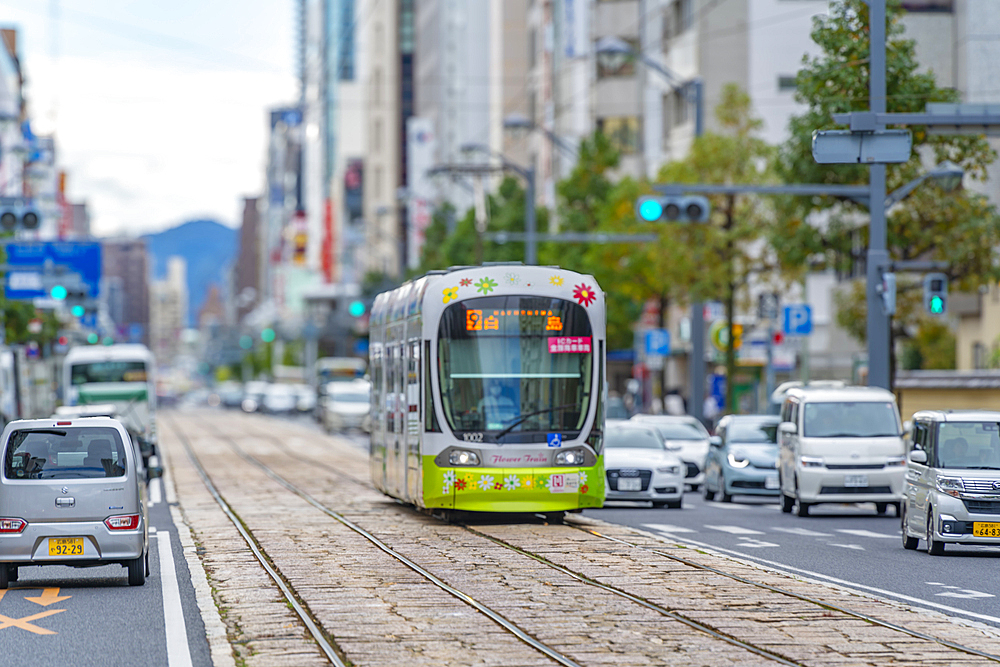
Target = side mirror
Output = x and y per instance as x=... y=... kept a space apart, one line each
x=918 y=456
x=154 y=471
x=787 y=428
x=715 y=441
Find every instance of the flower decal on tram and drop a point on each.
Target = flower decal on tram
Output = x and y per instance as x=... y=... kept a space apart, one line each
x=556 y=280
x=584 y=295
x=486 y=285
x=465 y=282
x=450 y=294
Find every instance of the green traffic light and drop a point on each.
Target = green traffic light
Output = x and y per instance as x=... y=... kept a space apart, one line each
x=246 y=342
x=356 y=309
x=937 y=305
x=267 y=335
x=78 y=311
x=92 y=338
x=58 y=292
x=108 y=340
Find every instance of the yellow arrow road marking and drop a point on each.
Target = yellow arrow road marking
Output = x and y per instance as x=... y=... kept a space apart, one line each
x=25 y=623
x=49 y=596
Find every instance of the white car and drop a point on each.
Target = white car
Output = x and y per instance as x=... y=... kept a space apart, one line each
x=279 y=398
x=347 y=405
x=686 y=436
x=638 y=466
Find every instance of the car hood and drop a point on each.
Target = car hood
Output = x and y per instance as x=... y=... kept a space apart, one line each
x=624 y=457
x=348 y=408
x=852 y=450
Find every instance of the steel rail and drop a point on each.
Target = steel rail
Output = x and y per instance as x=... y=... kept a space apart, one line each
x=805 y=598
x=464 y=597
x=332 y=653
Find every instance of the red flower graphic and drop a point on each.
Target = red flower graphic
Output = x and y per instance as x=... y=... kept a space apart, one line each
x=584 y=295
x=460 y=484
x=584 y=488
x=465 y=282
x=498 y=486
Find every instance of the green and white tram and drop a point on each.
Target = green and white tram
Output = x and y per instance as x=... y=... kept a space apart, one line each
x=488 y=390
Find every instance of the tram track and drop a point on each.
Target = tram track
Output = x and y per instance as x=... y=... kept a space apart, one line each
x=692 y=623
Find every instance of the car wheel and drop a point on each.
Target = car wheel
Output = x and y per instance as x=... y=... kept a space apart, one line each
x=659 y=503
x=934 y=547
x=708 y=493
x=802 y=509
x=674 y=504
x=147 y=562
x=908 y=542
x=726 y=498
x=136 y=571
x=881 y=508
x=899 y=508
x=787 y=503
x=695 y=487
x=4 y=576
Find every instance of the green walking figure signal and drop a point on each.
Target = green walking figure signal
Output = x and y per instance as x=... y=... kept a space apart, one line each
x=936 y=293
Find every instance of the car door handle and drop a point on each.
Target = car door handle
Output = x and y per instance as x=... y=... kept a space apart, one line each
x=66 y=502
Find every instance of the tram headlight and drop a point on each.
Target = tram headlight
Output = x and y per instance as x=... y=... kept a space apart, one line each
x=463 y=457
x=570 y=457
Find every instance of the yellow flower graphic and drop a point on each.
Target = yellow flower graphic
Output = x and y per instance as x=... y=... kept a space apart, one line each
x=450 y=294
x=527 y=483
x=556 y=280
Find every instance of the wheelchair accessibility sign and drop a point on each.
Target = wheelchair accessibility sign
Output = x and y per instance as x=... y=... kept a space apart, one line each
x=555 y=439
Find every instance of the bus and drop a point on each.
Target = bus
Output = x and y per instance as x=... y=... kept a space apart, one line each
x=122 y=375
x=488 y=390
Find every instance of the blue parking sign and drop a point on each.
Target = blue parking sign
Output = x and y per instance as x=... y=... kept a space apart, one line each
x=797 y=320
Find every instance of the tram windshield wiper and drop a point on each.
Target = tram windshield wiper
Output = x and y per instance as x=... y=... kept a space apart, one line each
x=522 y=418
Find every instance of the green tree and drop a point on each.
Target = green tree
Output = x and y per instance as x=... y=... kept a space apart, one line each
x=962 y=229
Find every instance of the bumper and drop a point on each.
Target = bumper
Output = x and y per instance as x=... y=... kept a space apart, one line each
x=660 y=488
x=844 y=486
x=955 y=521
x=512 y=489
x=100 y=545
x=751 y=481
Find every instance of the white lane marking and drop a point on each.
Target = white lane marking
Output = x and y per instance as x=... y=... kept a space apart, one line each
x=728 y=506
x=754 y=543
x=805 y=532
x=178 y=653
x=155 y=492
x=152 y=530
x=667 y=528
x=866 y=533
x=848 y=585
x=736 y=530
x=856 y=547
x=956 y=592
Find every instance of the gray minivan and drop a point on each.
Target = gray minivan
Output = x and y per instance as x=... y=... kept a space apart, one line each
x=72 y=493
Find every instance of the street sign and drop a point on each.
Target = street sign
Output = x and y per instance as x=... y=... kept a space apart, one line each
x=657 y=343
x=847 y=147
x=82 y=258
x=797 y=320
x=767 y=306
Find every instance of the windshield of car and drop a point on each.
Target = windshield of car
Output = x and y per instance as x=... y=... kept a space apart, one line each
x=632 y=438
x=351 y=396
x=747 y=431
x=515 y=364
x=680 y=431
x=843 y=419
x=65 y=453
x=969 y=445
x=108 y=371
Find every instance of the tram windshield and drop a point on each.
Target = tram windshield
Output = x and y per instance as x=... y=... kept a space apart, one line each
x=516 y=367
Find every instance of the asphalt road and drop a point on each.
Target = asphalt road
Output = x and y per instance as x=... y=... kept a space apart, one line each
x=844 y=544
x=64 y=616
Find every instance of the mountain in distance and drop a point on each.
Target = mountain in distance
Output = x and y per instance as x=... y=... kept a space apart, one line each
x=208 y=247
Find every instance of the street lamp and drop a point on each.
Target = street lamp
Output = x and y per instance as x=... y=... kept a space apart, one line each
x=528 y=174
x=516 y=121
x=947 y=175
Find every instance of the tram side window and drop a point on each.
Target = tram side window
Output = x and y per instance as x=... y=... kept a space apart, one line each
x=430 y=416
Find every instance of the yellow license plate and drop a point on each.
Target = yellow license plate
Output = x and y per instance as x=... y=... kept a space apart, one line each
x=982 y=529
x=70 y=546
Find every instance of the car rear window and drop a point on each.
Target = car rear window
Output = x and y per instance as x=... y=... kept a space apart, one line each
x=65 y=453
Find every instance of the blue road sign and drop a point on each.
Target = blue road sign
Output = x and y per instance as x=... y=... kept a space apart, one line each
x=657 y=343
x=83 y=258
x=797 y=320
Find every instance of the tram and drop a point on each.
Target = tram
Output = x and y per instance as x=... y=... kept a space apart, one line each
x=488 y=390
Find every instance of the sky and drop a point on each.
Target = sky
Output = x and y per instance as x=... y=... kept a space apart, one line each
x=159 y=108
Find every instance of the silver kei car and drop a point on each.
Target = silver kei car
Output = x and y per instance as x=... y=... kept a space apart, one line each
x=952 y=486
x=72 y=493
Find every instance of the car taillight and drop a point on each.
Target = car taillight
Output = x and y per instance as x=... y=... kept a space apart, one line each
x=122 y=522
x=12 y=525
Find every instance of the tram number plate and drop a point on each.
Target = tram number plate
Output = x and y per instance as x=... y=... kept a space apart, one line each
x=65 y=546
x=629 y=484
x=855 y=480
x=982 y=529
x=771 y=482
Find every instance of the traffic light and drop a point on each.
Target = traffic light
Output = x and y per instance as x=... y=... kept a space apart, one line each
x=356 y=308
x=887 y=290
x=651 y=208
x=12 y=219
x=936 y=293
x=58 y=292
x=267 y=335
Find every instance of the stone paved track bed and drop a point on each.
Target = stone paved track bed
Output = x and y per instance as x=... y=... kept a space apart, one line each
x=378 y=614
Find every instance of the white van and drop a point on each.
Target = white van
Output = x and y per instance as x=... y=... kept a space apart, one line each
x=840 y=445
